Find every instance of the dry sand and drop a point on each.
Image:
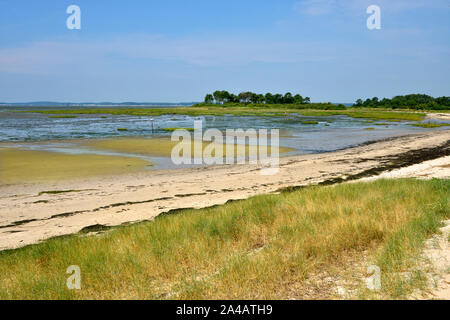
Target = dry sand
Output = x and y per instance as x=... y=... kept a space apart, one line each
x=437 y=249
x=28 y=216
x=437 y=252
x=438 y=116
x=438 y=168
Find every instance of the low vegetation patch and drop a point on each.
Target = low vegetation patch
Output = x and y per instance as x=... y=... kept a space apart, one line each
x=430 y=125
x=63 y=117
x=373 y=115
x=175 y=129
x=266 y=247
x=275 y=110
x=309 y=122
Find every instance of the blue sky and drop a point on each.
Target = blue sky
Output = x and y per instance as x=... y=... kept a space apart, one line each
x=171 y=51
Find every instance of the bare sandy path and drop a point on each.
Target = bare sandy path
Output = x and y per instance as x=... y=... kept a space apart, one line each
x=438 y=116
x=27 y=217
x=437 y=248
x=437 y=252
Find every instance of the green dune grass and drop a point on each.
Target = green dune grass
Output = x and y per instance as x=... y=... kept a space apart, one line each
x=266 y=247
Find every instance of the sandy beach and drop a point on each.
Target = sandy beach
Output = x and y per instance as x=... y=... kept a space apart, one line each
x=35 y=212
x=438 y=116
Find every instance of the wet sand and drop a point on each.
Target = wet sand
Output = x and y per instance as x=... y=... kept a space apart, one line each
x=47 y=161
x=30 y=213
x=21 y=166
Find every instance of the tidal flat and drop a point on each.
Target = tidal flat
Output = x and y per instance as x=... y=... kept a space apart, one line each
x=77 y=159
x=41 y=144
x=29 y=166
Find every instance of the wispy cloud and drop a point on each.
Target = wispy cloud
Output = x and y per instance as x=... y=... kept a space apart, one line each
x=52 y=57
x=324 y=7
x=315 y=7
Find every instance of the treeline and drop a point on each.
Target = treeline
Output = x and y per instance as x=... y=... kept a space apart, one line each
x=221 y=97
x=410 y=101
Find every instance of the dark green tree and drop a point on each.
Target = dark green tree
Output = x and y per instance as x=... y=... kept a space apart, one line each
x=245 y=97
x=278 y=98
x=233 y=98
x=288 y=98
x=218 y=96
x=268 y=97
x=298 y=99
x=209 y=98
x=226 y=96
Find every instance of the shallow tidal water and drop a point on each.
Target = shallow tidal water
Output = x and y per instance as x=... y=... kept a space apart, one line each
x=44 y=133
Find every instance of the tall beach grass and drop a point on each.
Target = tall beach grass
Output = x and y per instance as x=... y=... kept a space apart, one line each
x=266 y=247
